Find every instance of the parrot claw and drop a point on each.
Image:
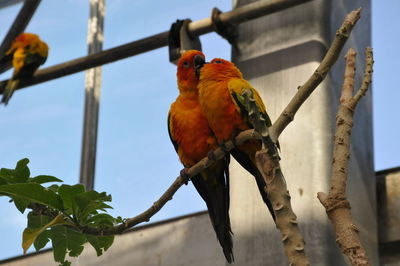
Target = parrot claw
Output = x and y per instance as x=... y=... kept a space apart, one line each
x=223 y=147
x=211 y=156
x=235 y=133
x=185 y=174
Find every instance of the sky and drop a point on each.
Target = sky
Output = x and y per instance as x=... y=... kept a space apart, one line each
x=135 y=159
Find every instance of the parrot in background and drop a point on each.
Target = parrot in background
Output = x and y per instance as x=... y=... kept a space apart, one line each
x=220 y=87
x=193 y=140
x=27 y=53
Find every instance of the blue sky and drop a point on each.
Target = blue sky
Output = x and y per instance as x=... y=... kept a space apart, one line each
x=136 y=161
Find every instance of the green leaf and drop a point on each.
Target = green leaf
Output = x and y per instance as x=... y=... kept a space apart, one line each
x=22 y=171
x=41 y=240
x=53 y=188
x=65 y=263
x=102 y=220
x=36 y=220
x=89 y=202
x=65 y=240
x=30 y=234
x=40 y=179
x=21 y=204
x=119 y=220
x=7 y=176
x=34 y=192
x=100 y=243
x=67 y=193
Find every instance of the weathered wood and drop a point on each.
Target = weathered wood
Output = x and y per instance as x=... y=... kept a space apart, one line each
x=277 y=55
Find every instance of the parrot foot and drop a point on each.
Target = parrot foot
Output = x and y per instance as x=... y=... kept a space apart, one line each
x=234 y=134
x=211 y=156
x=223 y=147
x=185 y=174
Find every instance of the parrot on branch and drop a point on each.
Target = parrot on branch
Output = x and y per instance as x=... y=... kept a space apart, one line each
x=27 y=53
x=193 y=140
x=220 y=87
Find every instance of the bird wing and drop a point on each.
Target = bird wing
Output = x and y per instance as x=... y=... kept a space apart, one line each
x=170 y=131
x=236 y=88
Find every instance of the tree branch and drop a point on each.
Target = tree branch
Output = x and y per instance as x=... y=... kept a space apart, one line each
x=317 y=77
x=267 y=161
x=336 y=204
x=167 y=195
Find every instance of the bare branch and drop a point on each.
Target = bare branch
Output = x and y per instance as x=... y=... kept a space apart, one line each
x=167 y=196
x=336 y=204
x=369 y=61
x=317 y=77
x=267 y=161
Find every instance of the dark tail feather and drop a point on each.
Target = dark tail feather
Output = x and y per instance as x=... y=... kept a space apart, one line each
x=9 y=90
x=248 y=164
x=213 y=186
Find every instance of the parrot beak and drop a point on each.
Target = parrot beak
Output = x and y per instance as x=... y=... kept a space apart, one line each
x=198 y=63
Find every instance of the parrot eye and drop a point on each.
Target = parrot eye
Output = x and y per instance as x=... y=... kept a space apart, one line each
x=186 y=64
x=218 y=61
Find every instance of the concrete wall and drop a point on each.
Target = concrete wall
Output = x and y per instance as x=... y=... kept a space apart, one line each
x=183 y=241
x=388 y=195
x=277 y=54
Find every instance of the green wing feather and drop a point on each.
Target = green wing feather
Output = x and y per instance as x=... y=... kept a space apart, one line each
x=236 y=88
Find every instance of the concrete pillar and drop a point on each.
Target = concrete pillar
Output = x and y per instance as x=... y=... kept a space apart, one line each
x=277 y=54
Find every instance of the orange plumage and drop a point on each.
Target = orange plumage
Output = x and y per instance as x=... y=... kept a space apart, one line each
x=220 y=88
x=193 y=140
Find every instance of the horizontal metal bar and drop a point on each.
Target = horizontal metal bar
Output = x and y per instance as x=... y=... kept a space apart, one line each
x=6 y=3
x=18 y=26
x=200 y=27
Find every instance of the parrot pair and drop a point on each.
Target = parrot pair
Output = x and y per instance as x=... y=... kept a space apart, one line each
x=207 y=112
x=26 y=54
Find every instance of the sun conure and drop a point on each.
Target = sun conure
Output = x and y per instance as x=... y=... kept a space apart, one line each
x=221 y=85
x=193 y=140
x=27 y=53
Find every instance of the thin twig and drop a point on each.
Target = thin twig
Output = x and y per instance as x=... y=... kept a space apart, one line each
x=317 y=77
x=267 y=161
x=336 y=204
x=191 y=172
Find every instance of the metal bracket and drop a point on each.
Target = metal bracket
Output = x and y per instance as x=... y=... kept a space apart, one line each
x=180 y=40
x=226 y=30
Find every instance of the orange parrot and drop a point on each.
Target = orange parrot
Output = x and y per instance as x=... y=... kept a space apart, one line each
x=27 y=53
x=220 y=88
x=193 y=140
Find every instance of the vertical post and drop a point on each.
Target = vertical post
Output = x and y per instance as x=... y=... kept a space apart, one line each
x=92 y=95
x=278 y=53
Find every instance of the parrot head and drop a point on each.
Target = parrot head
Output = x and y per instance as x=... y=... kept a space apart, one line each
x=219 y=69
x=188 y=69
x=31 y=43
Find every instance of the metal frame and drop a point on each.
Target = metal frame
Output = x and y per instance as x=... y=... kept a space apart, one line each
x=196 y=28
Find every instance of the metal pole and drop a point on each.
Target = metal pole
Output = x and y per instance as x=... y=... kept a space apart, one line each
x=92 y=95
x=6 y=3
x=18 y=26
x=200 y=27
